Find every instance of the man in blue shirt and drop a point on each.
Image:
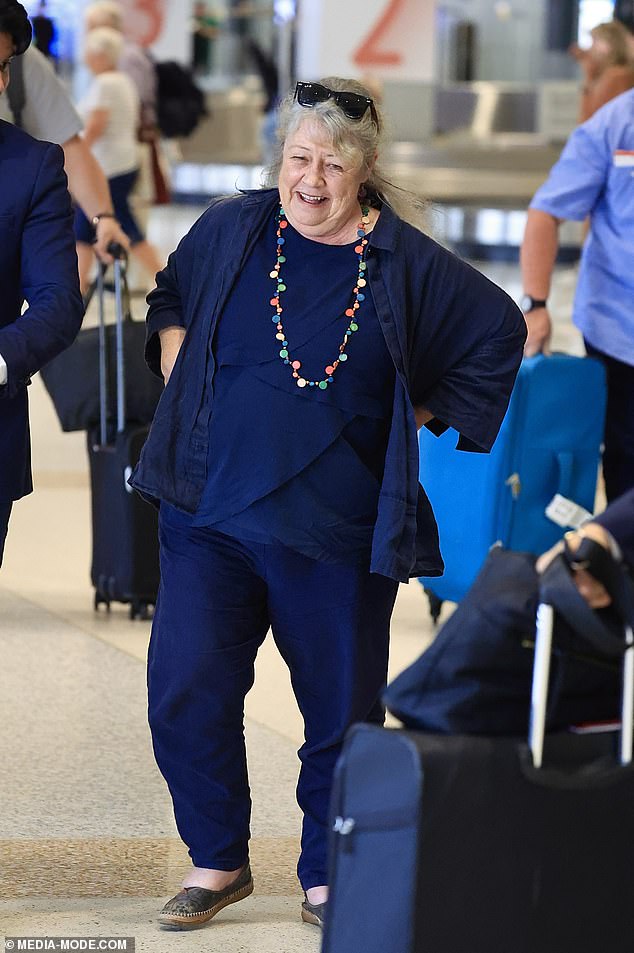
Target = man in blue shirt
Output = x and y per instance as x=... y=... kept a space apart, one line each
x=594 y=178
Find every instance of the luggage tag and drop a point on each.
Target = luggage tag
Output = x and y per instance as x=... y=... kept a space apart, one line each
x=566 y=513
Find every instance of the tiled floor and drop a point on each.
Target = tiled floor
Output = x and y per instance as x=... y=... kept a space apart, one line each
x=87 y=838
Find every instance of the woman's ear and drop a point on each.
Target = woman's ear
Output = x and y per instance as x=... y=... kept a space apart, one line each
x=372 y=163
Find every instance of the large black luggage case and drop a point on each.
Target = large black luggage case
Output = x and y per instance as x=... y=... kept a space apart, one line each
x=125 y=561
x=466 y=844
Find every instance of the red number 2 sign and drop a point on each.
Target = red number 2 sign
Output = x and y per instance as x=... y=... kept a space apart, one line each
x=371 y=52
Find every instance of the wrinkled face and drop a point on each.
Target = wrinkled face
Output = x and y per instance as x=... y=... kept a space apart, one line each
x=6 y=55
x=318 y=187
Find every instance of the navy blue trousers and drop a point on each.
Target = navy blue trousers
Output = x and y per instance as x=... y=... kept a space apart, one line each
x=218 y=597
x=5 y=513
x=618 y=455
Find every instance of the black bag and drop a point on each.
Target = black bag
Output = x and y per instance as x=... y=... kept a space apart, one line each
x=475 y=677
x=125 y=559
x=463 y=844
x=72 y=378
x=180 y=103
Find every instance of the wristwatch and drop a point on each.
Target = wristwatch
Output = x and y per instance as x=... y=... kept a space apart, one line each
x=528 y=303
x=97 y=218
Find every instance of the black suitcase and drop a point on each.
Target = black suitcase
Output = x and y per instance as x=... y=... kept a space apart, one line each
x=470 y=844
x=125 y=560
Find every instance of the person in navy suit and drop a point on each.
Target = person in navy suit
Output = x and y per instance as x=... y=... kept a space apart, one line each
x=38 y=265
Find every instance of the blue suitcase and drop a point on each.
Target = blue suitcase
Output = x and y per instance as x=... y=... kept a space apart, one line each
x=549 y=443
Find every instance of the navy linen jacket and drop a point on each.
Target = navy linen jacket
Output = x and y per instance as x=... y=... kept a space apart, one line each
x=37 y=263
x=455 y=338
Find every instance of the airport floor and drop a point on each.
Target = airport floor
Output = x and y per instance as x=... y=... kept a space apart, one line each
x=87 y=838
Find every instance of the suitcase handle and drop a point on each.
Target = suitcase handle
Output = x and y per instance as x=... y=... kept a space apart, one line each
x=558 y=593
x=566 y=461
x=121 y=305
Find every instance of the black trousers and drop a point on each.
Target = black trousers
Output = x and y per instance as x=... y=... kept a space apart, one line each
x=618 y=456
x=5 y=513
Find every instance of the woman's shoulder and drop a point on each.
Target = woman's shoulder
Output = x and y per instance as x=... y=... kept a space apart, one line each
x=226 y=208
x=223 y=212
x=420 y=245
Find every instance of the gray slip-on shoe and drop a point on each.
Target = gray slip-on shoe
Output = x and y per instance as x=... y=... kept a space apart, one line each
x=195 y=906
x=314 y=913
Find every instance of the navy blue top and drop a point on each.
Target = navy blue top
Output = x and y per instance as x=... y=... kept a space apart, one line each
x=300 y=466
x=455 y=341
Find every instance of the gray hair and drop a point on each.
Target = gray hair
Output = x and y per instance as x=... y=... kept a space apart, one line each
x=357 y=140
x=104 y=13
x=106 y=41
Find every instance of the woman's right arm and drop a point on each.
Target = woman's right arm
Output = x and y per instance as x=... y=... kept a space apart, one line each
x=169 y=303
x=166 y=324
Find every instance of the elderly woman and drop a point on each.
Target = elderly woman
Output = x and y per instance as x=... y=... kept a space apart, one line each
x=303 y=331
x=110 y=110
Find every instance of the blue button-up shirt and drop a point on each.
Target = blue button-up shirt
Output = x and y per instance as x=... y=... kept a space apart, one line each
x=455 y=339
x=595 y=177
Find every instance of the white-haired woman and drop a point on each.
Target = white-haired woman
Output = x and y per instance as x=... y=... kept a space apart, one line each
x=304 y=331
x=110 y=110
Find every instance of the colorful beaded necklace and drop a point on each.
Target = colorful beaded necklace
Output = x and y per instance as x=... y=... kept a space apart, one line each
x=350 y=313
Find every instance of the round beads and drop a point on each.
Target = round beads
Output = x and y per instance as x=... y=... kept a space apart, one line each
x=350 y=313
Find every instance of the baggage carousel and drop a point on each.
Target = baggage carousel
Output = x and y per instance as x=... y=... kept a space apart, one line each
x=477 y=180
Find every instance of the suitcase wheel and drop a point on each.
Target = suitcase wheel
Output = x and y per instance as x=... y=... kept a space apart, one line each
x=140 y=610
x=435 y=605
x=101 y=600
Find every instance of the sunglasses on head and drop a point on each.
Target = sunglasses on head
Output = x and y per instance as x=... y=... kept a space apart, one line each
x=351 y=105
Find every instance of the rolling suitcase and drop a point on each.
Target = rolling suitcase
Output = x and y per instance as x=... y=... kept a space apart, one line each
x=125 y=561
x=469 y=844
x=549 y=443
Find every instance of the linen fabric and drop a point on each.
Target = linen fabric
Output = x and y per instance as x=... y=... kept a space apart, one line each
x=593 y=177
x=282 y=460
x=454 y=338
x=217 y=598
x=5 y=513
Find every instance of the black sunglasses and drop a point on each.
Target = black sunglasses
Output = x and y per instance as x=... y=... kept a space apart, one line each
x=351 y=105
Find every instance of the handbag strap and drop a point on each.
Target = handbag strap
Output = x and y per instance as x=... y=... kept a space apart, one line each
x=557 y=589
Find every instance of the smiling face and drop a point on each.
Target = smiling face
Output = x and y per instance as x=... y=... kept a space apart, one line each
x=319 y=187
